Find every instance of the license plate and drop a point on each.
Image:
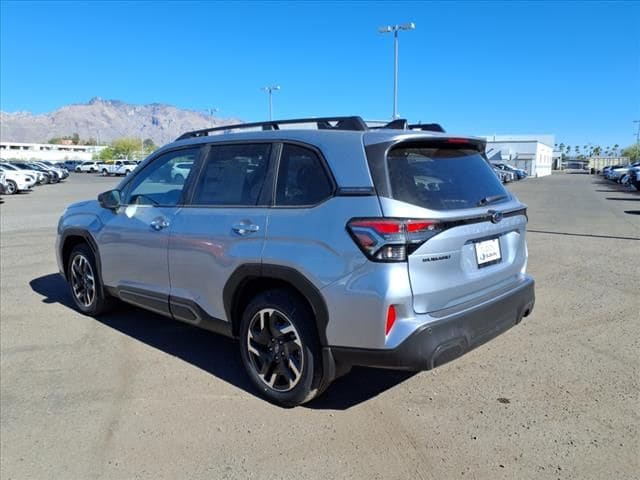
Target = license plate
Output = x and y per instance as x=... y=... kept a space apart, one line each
x=488 y=252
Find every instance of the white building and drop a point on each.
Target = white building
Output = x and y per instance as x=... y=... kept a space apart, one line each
x=533 y=153
x=47 y=151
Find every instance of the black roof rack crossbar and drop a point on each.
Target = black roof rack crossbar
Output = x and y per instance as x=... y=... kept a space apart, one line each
x=324 y=123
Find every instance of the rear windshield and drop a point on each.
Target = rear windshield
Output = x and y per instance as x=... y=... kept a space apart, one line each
x=442 y=178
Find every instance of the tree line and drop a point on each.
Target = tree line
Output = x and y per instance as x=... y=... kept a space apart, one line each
x=586 y=151
x=126 y=148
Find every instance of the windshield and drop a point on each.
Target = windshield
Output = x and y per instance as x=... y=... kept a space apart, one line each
x=442 y=178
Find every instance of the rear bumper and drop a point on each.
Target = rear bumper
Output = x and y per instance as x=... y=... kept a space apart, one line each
x=442 y=340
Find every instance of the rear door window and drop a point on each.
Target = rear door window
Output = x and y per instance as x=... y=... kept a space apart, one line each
x=302 y=180
x=234 y=175
x=442 y=178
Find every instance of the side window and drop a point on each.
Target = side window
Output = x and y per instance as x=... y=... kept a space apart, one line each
x=161 y=182
x=301 y=178
x=233 y=175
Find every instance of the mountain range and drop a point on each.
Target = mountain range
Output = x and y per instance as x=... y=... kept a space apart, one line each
x=106 y=120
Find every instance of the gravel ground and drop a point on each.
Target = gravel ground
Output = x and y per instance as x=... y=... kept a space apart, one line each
x=133 y=395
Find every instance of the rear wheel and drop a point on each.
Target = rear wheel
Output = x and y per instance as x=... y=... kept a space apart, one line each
x=12 y=187
x=179 y=179
x=86 y=289
x=280 y=348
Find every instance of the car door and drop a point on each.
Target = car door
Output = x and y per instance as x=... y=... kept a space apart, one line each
x=220 y=228
x=133 y=242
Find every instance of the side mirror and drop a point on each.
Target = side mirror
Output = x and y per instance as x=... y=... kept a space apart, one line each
x=110 y=199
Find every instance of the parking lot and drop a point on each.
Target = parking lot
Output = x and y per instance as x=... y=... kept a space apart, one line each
x=134 y=395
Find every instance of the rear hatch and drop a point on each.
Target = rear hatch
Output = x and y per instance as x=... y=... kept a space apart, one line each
x=476 y=245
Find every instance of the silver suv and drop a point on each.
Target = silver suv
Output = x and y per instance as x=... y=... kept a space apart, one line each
x=320 y=247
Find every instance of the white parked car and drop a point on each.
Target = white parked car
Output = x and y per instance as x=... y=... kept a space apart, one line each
x=180 y=171
x=39 y=176
x=17 y=181
x=119 y=167
x=89 y=166
x=3 y=182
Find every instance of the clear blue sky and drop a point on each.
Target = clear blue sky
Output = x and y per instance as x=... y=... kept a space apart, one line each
x=567 y=68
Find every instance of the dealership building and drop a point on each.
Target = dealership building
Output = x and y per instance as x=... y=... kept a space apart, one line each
x=47 y=151
x=533 y=153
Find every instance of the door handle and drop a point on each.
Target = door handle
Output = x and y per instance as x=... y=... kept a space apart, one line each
x=159 y=223
x=245 y=228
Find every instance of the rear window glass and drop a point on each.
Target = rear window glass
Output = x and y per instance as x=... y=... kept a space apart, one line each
x=442 y=178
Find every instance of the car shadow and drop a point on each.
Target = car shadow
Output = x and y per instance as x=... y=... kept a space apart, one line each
x=216 y=354
x=624 y=199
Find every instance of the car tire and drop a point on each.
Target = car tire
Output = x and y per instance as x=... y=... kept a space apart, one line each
x=280 y=349
x=87 y=291
x=178 y=178
x=12 y=187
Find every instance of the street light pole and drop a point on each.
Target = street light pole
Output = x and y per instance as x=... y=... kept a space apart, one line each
x=270 y=89
x=637 y=140
x=395 y=29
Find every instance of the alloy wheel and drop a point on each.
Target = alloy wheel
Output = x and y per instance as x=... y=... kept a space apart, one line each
x=83 y=281
x=275 y=350
x=12 y=187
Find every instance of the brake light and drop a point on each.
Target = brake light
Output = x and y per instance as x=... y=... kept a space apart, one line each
x=391 y=319
x=391 y=240
x=457 y=140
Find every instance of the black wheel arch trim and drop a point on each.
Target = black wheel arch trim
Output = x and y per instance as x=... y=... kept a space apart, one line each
x=81 y=232
x=232 y=291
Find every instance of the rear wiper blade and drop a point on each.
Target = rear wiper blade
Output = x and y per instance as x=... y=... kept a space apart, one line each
x=490 y=199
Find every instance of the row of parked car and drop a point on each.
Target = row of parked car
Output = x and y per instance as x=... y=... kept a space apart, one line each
x=624 y=174
x=508 y=173
x=117 y=167
x=20 y=176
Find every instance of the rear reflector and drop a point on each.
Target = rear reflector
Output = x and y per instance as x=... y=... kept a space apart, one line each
x=391 y=319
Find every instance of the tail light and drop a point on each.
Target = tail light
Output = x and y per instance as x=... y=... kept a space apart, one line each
x=391 y=240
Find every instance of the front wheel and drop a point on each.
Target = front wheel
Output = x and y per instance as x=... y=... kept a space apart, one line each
x=280 y=348
x=86 y=290
x=12 y=187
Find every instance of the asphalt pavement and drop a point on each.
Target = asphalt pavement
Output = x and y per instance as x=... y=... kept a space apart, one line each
x=134 y=395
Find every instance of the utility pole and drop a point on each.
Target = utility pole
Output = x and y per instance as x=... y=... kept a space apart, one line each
x=270 y=89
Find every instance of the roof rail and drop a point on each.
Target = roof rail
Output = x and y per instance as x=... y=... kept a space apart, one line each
x=324 y=123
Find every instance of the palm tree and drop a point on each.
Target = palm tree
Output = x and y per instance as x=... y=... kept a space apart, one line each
x=568 y=150
x=597 y=150
x=615 y=149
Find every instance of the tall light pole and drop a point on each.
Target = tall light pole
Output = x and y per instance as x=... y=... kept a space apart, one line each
x=637 y=140
x=270 y=89
x=395 y=29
